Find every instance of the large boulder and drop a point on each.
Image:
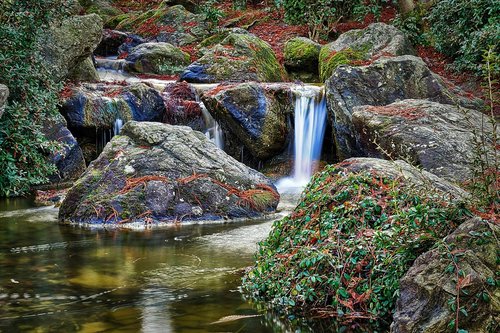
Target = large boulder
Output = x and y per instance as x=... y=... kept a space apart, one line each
x=69 y=161
x=157 y=58
x=171 y=24
x=94 y=106
x=301 y=58
x=458 y=279
x=437 y=137
x=70 y=42
x=158 y=172
x=385 y=81
x=255 y=113
x=354 y=233
x=237 y=58
x=378 y=39
x=4 y=94
x=103 y=8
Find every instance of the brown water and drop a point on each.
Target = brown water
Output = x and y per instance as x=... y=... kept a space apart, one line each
x=66 y=279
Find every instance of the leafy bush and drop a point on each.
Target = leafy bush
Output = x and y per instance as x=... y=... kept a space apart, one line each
x=464 y=29
x=343 y=250
x=33 y=94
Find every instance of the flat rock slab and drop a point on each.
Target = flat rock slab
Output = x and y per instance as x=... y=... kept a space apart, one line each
x=438 y=137
x=155 y=172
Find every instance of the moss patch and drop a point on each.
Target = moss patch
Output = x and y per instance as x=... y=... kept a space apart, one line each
x=330 y=60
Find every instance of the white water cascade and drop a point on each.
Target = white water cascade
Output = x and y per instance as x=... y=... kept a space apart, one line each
x=309 y=131
x=117 y=127
x=213 y=130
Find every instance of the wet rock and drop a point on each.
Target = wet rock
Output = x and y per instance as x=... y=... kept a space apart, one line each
x=156 y=58
x=98 y=106
x=237 y=58
x=115 y=42
x=301 y=58
x=4 y=94
x=437 y=137
x=84 y=71
x=255 y=113
x=385 y=81
x=70 y=42
x=158 y=172
x=378 y=39
x=430 y=286
x=69 y=161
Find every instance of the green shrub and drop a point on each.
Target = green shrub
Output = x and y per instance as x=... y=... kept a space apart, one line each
x=464 y=29
x=33 y=94
x=343 y=250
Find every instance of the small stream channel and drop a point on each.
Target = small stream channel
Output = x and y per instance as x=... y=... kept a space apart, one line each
x=56 y=278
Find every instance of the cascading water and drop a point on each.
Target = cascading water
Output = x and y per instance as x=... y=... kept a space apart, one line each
x=117 y=126
x=213 y=130
x=309 y=131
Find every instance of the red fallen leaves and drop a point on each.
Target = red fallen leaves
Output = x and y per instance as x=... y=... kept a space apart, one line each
x=164 y=77
x=411 y=113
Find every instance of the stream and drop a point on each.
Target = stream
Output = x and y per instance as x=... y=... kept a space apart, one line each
x=59 y=278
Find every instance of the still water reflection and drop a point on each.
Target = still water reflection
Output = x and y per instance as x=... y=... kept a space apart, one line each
x=63 y=279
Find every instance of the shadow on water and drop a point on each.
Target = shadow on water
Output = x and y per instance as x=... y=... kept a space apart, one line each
x=58 y=278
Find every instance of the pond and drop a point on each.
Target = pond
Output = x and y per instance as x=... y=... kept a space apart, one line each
x=56 y=278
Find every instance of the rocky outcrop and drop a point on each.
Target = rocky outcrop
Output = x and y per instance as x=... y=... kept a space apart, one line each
x=70 y=42
x=437 y=137
x=155 y=172
x=157 y=58
x=433 y=292
x=378 y=39
x=237 y=58
x=301 y=58
x=4 y=94
x=385 y=81
x=69 y=161
x=98 y=106
x=255 y=113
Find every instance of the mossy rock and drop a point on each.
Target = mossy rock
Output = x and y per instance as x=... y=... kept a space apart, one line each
x=239 y=57
x=157 y=58
x=363 y=45
x=103 y=8
x=301 y=54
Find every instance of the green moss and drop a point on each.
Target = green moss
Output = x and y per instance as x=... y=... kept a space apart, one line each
x=301 y=53
x=330 y=60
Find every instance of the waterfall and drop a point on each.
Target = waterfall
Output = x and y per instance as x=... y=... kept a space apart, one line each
x=309 y=130
x=213 y=131
x=117 y=126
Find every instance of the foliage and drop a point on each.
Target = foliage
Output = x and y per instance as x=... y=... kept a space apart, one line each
x=343 y=250
x=212 y=13
x=412 y=24
x=33 y=94
x=485 y=186
x=463 y=29
x=321 y=16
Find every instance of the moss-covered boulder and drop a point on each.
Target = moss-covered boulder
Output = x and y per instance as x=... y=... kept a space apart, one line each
x=385 y=81
x=156 y=58
x=456 y=280
x=171 y=24
x=91 y=106
x=301 y=57
x=68 y=43
x=361 y=46
x=84 y=71
x=437 y=137
x=355 y=232
x=238 y=58
x=255 y=114
x=155 y=172
x=103 y=8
